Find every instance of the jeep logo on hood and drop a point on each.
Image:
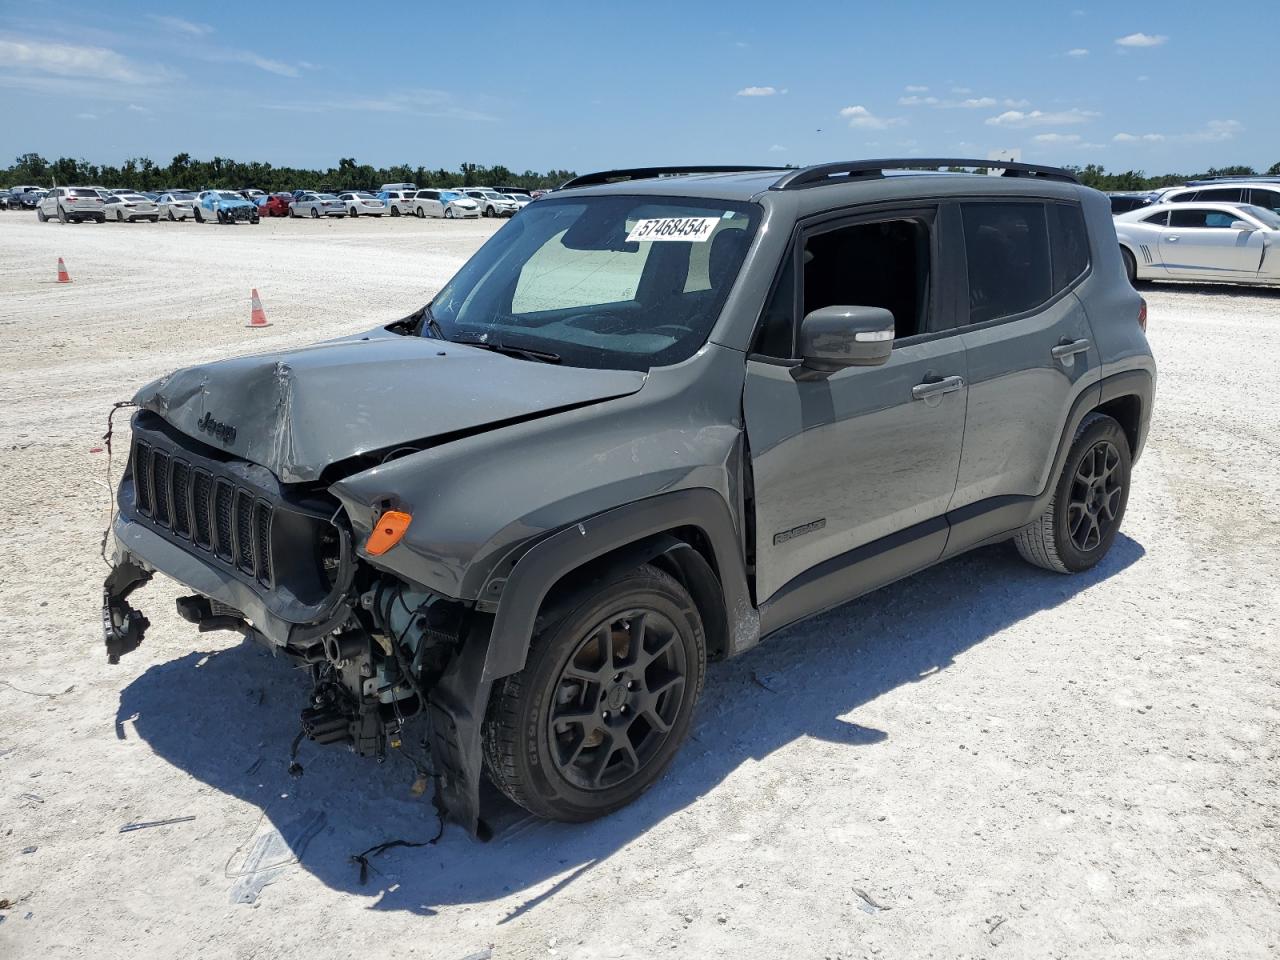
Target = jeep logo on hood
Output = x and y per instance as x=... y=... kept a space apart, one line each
x=222 y=431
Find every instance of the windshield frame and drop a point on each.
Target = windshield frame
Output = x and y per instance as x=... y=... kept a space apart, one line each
x=530 y=330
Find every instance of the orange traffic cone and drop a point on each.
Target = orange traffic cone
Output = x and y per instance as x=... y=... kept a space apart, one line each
x=63 y=276
x=257 y=318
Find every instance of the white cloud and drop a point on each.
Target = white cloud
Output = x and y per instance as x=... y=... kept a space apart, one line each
x=86 y=116
x=1141 y=40
x=69 y=60
x=777 y=148
x=969 y=103
x=1077 y=52
x=859 y=116
x=961 y=91
x=178 y=25
x=916 y=101
x=1215 y=131
x=137 y=109
x=1057 y=138
x=279 y=68
x=1138 y=137
x=440 y=104
x=974 y=102
x=1039 y=118
x=915 y=88
x=757 y=92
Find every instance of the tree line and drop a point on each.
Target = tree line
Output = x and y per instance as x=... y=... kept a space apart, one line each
x=186 y=173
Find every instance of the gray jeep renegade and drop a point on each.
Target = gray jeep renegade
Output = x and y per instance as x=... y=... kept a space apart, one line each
x=659 y=415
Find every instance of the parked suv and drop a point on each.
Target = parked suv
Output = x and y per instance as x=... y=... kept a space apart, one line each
x=653 y=420
x=74 y=204
x=1258 y=193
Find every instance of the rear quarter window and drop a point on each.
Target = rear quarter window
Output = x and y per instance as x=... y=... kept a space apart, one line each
x=1068 y=244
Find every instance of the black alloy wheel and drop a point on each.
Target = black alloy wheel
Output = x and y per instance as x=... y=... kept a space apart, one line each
x=1096 y=492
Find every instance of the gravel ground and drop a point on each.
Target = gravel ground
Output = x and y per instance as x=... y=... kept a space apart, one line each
x=985 y=760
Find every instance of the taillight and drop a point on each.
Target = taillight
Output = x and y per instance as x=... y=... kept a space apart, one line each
x=1142 y=315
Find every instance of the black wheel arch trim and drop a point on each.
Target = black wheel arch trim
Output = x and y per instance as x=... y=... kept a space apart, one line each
x=623 y=538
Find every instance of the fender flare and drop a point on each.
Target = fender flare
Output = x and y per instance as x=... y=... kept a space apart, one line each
x=636 y=532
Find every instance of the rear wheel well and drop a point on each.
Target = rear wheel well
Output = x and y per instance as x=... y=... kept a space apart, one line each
x=683 y=552
x=1127 y=411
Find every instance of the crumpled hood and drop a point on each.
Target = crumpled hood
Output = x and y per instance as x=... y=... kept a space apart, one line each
x=297 y=411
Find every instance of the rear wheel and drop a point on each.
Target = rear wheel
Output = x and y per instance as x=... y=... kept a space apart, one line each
x=448 y=213
x=1082 y=520
x=40 y=215
x=169 y=215
x=395 y=211
x=315 y=213
x=1130 y=266
x=419 y=212
x=604 y=701
x=199 y=215
x=62 y=214
x=352 y=211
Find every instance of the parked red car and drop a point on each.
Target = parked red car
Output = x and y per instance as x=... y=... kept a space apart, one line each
x=276 y=205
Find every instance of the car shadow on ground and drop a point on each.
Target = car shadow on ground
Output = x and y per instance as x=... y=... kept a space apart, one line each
x=1191 y=288
x=227 y=719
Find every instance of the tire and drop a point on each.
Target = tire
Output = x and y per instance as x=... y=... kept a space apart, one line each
x=100 y=218
x=40 y=216
x=292 y=212
x=578 y=770
x=420 y=213
x=154 y=219
x=1082 y=520
x=395 y=211
x=169 y=215
x=199 y=216
x=62 y=214
x=352 y=212
x=448 y=213
x=254 y=220
x=1130 y=266
x=488 y=212
x=119 y=217
x=315 y=213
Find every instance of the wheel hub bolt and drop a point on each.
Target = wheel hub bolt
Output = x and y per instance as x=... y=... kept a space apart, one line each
x=605 y=715
x=631 y=684
x=623 y=708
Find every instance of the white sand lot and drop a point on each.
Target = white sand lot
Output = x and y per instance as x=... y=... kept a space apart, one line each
x=986 y=760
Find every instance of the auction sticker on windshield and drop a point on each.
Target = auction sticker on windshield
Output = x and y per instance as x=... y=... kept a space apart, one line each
x=688 y=229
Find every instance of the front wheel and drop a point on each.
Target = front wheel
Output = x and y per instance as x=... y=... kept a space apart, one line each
x=315 y=213
x=352 y=212
x=395 y=211
x=62 y=214
x=41 y=216
x=604 y=701
x=448 y=213
x=1082 y=520
x=169 y=215
x=199 y=216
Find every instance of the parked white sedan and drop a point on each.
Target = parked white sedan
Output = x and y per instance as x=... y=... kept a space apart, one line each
x=317 y=205
x=1218 y=242
x=176 y=206
x=130 y=207
x=360 y=203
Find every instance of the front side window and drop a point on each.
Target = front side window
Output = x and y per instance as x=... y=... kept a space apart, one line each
x=1202 y=219
x=613 y=281
x=1007 y=247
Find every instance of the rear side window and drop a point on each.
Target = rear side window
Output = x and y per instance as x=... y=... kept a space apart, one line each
x=1068 y=244
x=1007 y=247
x=1160 y=219
x=1221 y=195
x=1267 y=199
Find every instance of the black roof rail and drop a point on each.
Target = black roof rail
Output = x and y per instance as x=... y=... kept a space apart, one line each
x=823 y=173
x=647 y=173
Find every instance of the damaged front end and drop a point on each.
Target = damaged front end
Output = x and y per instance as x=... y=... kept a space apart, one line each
x=277 y=564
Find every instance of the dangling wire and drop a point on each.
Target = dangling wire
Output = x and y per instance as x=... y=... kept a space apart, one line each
x=111 y=500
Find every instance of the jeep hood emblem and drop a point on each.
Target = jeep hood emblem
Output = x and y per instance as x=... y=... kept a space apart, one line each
x=222 y=431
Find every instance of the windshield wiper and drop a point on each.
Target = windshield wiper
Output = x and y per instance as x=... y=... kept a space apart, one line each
x=523 y=353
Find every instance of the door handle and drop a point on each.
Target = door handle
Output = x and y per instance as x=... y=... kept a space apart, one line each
x=936 y=388
x=1172 y=239
x=1069 y=348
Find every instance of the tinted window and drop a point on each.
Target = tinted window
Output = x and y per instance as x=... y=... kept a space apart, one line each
x=1160 y=219
x=1221 y=195
x=1187 y=197
x=1007 y=246
x=1069 y=244
x=1268 y=199
x=777 y=324
x=1212 y=219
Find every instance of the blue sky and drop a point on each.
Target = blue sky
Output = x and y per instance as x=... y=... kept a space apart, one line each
x=1159 y=87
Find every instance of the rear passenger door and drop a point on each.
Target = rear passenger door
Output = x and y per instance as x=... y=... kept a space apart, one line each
x=1029 y=345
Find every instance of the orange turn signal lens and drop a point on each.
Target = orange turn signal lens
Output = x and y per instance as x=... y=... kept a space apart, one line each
x=387 y=532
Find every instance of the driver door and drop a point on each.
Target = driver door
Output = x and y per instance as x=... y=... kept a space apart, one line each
x=1200 y=243
x=860 y=465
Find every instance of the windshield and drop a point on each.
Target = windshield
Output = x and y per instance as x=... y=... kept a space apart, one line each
x=573 y=277
x=1268 y=217
x=325 y=196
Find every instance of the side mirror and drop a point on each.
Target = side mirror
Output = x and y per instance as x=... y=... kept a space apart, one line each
x=1244 y=225
x=832 y=338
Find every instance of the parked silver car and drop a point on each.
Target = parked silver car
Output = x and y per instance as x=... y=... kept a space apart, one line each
x=362 y=203
x=129 y=207
x=1217 y=242
x=177 y=205
x=72 y=204
x=317 y=205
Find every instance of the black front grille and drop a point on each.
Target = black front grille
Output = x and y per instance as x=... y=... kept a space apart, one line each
x=215 y=513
